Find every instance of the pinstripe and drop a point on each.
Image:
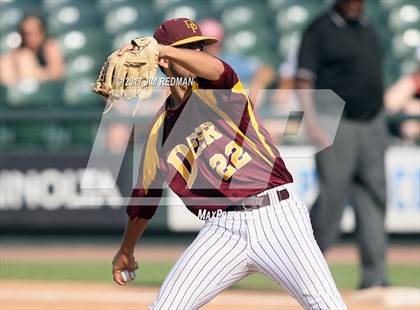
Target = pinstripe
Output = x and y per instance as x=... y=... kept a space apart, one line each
x=211 y=268
x=228 y=273
x=199 y=258
x=230 y=281
x=232 y=252
x=290 y=286
x=172 y=273
x=168 y=291
x=316 y=257
x=297 y=296
x=202 y=268
x=297 y=257
x=210 y=296
x=285 y=252
x=319 y=255
x=310 y=264
x=299 y=244
x=277 y=202
x=241 y=274
x=313 y=247
x=310 y=246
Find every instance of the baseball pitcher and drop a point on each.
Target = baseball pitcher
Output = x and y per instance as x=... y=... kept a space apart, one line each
x=212 y=150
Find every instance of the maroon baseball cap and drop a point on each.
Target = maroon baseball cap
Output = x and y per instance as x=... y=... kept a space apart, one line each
x=180 y=31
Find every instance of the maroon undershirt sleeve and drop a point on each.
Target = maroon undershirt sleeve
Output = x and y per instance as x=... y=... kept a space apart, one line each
x=147 y=209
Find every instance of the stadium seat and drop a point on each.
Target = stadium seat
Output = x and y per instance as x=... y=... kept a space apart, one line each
x=51 y=5
x=408 y=66
x=78 y=93
x=404 y=16
x=195 y=10
x=251 y=44
x=377 y=15
x=404 y=44
x=83 y=134
x=10 y=17
x=47 y=136
x=245 y=42
x=7 y=136
x=29 y=134
x=72 y=15
x=105 y=6
x=30 y=93
x=84 y=41
x=12 y=11
x=55 y=137
x=247 y=15
x=292 y=18
x=129 y=16
x=391 y=4
x=126 y=36
x=83 y=64
x=9 y=40
x=3 y=95
x=221 y=5
x=295 y=16
x=275 y=5
x=391 y=71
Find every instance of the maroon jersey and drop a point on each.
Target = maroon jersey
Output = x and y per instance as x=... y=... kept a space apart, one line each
x=212 y=151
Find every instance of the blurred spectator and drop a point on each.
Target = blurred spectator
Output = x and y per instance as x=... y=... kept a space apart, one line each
x=341 y=51
x=287 y=73
x=254 y=74
x=38 y=57
x=403 y=98
x=284 y=100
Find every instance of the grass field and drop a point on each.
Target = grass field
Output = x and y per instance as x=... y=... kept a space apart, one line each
x=153 y=273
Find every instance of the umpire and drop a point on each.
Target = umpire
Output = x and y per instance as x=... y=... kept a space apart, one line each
x=340 y=51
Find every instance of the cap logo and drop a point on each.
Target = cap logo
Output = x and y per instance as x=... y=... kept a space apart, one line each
x=191 y=25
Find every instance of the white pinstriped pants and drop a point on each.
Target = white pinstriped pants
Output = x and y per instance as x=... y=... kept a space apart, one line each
x=276 y=241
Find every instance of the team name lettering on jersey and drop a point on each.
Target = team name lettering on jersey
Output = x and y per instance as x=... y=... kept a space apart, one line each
x=225 y=165
x=203 y=136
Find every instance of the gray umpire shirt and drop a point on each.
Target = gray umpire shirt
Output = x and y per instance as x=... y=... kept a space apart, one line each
x=345 y=57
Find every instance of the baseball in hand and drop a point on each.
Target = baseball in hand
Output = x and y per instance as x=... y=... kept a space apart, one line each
x=128 y=276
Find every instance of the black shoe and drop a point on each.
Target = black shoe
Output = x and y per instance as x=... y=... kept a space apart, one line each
x=379 y=283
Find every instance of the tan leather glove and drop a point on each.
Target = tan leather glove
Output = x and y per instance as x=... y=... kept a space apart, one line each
x=129 y=75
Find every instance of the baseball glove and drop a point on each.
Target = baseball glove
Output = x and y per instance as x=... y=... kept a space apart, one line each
x=128 y=76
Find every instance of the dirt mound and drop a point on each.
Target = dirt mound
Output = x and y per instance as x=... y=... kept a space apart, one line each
x=36 y=295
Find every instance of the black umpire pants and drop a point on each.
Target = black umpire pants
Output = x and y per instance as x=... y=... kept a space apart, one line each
x=352 y=171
